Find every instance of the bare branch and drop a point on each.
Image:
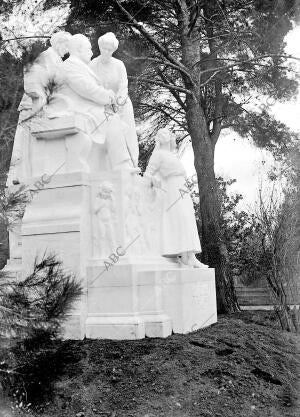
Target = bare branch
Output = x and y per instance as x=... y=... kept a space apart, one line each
x=172 y=91
x=24 y=37
x=167 y=114
x=158 y=60
x=168 y=86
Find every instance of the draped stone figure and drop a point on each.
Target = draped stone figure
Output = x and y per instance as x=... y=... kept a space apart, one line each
x=112 y=74
x=179 y=230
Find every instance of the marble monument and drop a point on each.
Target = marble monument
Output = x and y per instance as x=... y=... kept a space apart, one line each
x=130 y=239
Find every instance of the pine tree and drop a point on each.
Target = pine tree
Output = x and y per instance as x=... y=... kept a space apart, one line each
x=202 y=62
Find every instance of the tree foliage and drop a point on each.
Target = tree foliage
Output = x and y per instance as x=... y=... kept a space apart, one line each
x=38 y=304
x=264 y=246
x=241 y=58
x=32 y=312
x=11 y=76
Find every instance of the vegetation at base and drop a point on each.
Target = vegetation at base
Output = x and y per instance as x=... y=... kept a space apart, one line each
x=32 y=314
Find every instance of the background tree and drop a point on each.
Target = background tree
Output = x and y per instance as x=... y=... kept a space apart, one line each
x=205 y=62
x=264 y=245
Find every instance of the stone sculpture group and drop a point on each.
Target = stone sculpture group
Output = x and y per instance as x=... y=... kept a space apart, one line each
x=98 y=91
x=76 y=115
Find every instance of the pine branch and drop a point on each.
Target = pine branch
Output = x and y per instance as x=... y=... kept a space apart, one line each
x=247 y=61
x=157 y=60
x=40 y=302
x=178 y=65
x=168 y=86
x=172 y=91
x=24 y=37
x=155 y=109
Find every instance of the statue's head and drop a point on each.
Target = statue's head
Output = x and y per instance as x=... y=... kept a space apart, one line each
x=108 y=44
x=80 y=46
x=105 y=189
x=164 y=138
x=59 y=42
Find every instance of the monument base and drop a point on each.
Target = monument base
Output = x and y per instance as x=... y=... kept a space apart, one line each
x=136 y=300
x=106 y=229
x=132 y=295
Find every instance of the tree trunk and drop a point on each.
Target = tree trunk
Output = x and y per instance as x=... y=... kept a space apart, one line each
x=214 y=251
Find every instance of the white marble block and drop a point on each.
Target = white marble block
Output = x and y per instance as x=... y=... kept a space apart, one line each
x=151 y=300
x=105 y=226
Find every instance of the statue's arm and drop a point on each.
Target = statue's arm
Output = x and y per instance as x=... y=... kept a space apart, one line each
x=153 y=164
x=35 y=82
x=85 y=86
x=153 y=169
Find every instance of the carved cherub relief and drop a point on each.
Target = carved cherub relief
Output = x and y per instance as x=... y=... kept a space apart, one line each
x=104 y=210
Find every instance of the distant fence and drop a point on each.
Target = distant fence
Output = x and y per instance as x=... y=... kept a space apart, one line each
x=260 y=295
x=248 y=296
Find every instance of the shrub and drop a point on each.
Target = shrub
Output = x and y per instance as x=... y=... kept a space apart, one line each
x=32 y=312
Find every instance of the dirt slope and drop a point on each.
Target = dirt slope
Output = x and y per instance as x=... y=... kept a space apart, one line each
x=241 y=366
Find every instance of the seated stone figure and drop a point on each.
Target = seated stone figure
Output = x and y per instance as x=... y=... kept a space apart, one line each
x=84 y=95
x=37 y=76
x=112 y=75
x=44 y=71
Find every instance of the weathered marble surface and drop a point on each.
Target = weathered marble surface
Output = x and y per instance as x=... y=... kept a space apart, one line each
x=106 y=222
x=38 y=78
x=179 y=229
x=130 y=290
x=113 y=76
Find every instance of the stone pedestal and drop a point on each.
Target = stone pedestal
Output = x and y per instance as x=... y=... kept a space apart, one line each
x=137 y=299
x=105 y=227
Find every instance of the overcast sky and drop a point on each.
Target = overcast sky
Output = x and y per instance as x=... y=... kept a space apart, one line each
x=238 y=158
